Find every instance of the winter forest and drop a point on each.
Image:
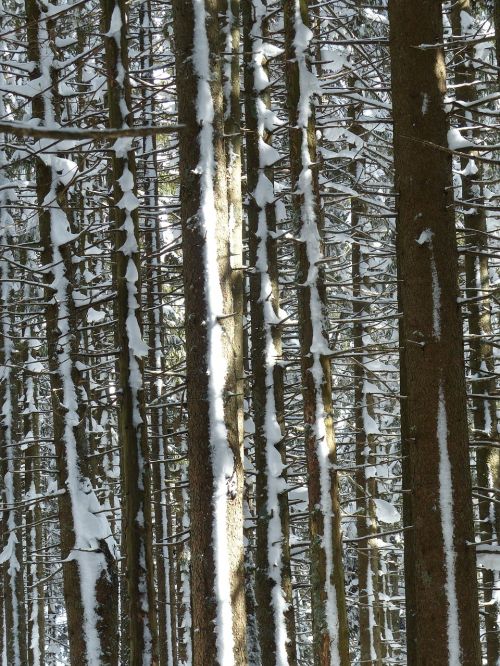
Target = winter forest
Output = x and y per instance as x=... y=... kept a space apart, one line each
x=249 y=333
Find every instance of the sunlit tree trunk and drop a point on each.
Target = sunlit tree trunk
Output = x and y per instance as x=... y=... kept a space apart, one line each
x=330 y=633
x=214 y=442
x=273 y=585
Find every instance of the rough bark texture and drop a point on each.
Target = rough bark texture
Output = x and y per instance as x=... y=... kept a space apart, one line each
x=264 y=584
x=201 y=477
x=232 y=141
x=137 y=513
x=436 y=412
x=321 y=638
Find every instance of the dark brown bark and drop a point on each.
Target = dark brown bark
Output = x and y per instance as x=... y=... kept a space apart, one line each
x=444 y=595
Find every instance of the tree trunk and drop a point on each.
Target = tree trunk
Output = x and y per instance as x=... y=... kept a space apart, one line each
x=444 y=629
x=370 y=611
x=12 y=556
x=330 y=632
x=481 y=359
x=273 y=585
x=137 y=516
x=34 y=529
x=216 y=488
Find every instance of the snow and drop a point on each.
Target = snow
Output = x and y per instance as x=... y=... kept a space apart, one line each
x=386 y=512
x=436 y=297
x=456 y=141
x=488 y=556
x=309 y=234
x=115 y=25
x=425 y=103
x=95 y=316
x=425 y=236
x=221 y=456
x=447 y=526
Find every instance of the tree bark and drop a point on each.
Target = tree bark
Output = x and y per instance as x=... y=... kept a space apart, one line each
x=137 y=518
x=216 y=488
x=273 y=584
x=443 y=599
x=329 y=617
x=481 y=359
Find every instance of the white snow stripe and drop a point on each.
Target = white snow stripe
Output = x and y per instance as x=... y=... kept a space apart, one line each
x=447 y=526
x=221 y=457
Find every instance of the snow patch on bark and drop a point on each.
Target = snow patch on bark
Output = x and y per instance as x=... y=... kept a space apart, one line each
x=221 y=457
x=447 y=526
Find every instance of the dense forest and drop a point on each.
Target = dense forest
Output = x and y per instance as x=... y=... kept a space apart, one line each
x=249 y=333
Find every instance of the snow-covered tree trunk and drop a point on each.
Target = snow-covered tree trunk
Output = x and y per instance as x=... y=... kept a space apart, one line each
x=496 y=21
x=166 y=620
x=370 y=612
x=214 y=443
x=330 y=635
x=11 y=557
x=370 y=616
x=33 y=488
x=137 y=519
x=87 y=545
x=443 y=596
x=183 y=592
x=34 y=541
x=273 y=586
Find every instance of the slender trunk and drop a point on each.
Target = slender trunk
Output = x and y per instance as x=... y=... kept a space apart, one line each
x=496 y=21
x=273 y=586
x=370 y=611
x=481 y=359
x=182 y=559
x=216 y=488
x=153 y=295
x=330 y=631
x=12 y=556
x=137 y=517
x=444 y=595
x=34 y=531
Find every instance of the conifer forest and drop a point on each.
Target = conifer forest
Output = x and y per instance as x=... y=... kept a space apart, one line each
x=249 y=332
